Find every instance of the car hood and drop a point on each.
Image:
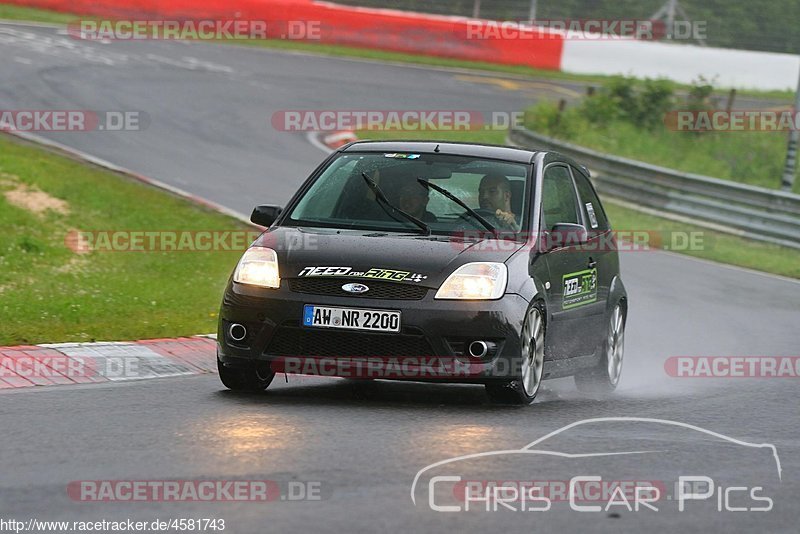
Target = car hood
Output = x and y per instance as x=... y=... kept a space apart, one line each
x=365 y=255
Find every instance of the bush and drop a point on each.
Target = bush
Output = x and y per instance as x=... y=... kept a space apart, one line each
x=641 y=103
x=656 y=99
x=699 y=97
x=626 y=118
x=545 y=117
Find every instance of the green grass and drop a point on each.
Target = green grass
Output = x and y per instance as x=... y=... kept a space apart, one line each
x=716 y=246
x=29 y=14
x=8 y=12
x=755 y=158
x=48 y=293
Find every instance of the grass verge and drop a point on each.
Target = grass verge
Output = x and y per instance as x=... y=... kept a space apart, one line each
x=717 y=246
x=30 y=14
x=48 y=293
x=755 y=158
x=39 y=15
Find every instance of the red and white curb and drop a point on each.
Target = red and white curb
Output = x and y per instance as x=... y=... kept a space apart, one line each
x=85 y=363
x=339 y=139
x=328 y=142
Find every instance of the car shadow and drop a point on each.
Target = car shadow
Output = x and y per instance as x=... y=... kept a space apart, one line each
x=376 y=394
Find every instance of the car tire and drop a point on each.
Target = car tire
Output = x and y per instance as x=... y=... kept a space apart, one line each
x=604 y=378
x=253 y=379
x=523 y=389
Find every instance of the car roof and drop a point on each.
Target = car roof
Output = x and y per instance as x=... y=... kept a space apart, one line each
x=517 y=155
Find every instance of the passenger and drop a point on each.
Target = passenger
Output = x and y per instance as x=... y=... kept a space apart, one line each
x=413 y=199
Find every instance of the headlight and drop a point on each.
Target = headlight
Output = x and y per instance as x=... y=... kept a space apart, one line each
x=258 y=267
x=475 y=281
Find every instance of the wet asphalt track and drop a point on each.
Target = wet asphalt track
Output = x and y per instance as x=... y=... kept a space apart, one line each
x=363 y=443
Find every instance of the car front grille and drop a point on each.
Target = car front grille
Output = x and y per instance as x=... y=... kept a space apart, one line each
x=377 y=290
x=297 y=341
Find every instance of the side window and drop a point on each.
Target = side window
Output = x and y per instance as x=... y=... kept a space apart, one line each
x=595 y=217
x=559 y=203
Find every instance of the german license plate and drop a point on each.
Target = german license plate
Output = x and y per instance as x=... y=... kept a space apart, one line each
x=351 y=318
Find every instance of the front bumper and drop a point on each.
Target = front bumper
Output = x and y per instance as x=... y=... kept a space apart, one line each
x=430 y=347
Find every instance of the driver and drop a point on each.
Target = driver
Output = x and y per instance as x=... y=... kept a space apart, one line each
x=494 y=194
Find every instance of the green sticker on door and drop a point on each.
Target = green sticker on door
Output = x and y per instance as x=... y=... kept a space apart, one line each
x=580 y=288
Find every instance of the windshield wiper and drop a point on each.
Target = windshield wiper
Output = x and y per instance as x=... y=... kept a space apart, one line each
x=383 y=201
x=460 y=202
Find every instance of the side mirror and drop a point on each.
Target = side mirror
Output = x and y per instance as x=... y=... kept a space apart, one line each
x=566 y=235
x=265 y=215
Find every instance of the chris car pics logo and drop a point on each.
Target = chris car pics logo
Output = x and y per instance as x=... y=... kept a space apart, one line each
x=693 y=485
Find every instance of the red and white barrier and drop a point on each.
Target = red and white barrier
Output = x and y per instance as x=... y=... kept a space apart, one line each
x=382 y=29
x=682 y=63
x=445 y=36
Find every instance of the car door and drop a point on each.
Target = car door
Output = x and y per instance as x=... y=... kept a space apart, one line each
x=601 y=244
x=574 y=320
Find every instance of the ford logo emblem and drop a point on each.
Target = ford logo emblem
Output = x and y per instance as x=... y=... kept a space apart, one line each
x=355 y=288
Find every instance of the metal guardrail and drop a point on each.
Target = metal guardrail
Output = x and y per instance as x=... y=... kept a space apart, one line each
x=744 y=210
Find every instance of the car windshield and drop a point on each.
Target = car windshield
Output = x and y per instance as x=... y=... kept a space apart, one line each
x=496 y=192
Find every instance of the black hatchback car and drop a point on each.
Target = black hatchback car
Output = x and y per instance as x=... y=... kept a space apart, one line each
x=431 y=262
